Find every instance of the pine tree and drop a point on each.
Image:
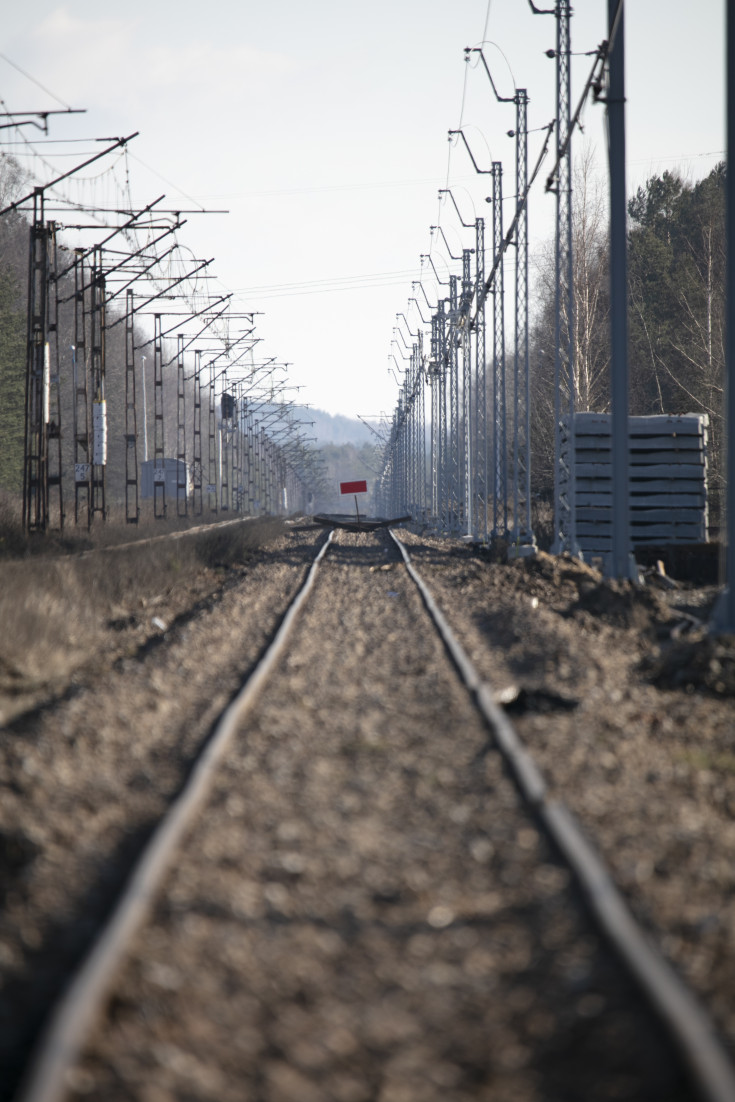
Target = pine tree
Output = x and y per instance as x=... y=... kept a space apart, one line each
x=677 y=300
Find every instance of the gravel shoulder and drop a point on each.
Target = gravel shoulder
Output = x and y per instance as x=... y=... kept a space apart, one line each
x=586 y=667
x=85 y=776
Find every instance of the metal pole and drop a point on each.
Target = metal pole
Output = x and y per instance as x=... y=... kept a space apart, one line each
x=443 y=450
x=212 y=472
x=422 y=427
x=564 y=506
x=99 y=402
x=619 y=565
x=82 y=453
x=35 y=515
x=469 y=451
x=219 y=467
x=434 y=377
x=145 y=409
x=182 y=488
x=500 y=480
x=468 y=465
x=224 y=446
x=53 y=394
x=453 y=365
x=159 y=447
x=724 y=619
x=523 y=538
x=481 y=382
x=131 y=424
x=197 y=472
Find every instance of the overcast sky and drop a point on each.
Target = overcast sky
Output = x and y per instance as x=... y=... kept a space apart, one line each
x=321 y=127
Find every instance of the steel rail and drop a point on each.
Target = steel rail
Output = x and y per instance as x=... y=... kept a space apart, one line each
x=62 y=1042
x=676 y=1006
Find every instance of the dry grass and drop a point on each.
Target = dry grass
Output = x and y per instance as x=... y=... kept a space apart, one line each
x=60 y=599
x=12 y=540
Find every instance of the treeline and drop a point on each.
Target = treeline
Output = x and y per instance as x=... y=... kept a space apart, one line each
x=676 y=310
x=346 y=463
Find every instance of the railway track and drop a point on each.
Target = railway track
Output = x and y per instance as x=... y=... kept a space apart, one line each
x=351 y=899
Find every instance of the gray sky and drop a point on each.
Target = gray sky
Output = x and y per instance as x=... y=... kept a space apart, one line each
x=322 y=128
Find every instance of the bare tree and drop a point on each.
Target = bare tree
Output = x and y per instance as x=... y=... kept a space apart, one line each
x=591 y=321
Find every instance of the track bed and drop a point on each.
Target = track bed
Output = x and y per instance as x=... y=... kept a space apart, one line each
x=359 y=904
x=365 y=910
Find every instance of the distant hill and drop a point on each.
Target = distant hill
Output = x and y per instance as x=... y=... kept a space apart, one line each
x=348 y=451
x=335 y=428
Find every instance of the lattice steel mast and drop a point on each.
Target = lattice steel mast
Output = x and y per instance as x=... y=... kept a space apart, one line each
x=500 y=446
x=159 y=451
x=212 y=445
x=35 y=465
x=564 y=352
x=480 y=395
x=522 y=523
x=182 y=502
x=80 y=375
x=132 y=510
x=197 y=473
x=98 y=314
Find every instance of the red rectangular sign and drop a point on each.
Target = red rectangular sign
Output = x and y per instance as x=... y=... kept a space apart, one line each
x=353 y=487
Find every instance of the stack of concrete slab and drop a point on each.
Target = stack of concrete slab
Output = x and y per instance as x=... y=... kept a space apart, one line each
x=667 y=473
